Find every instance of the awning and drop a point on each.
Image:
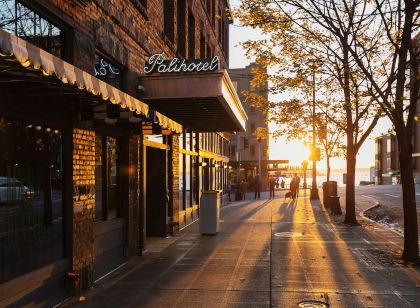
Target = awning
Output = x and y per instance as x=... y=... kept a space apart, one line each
x=199 y=101
x=38 y=63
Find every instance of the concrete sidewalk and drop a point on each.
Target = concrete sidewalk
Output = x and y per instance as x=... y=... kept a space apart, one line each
x=268 y=253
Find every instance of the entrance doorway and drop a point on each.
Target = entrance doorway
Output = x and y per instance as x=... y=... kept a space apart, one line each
x=156 y=193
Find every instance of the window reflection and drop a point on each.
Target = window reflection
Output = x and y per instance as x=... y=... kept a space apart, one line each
x=107 y=197
x=31 y=205
x=21 y=21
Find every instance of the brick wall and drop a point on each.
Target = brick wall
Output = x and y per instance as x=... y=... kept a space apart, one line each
x=83 y=203
x=173 y=184
x=119 y=30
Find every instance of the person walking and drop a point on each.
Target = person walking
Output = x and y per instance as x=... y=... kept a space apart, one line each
x=293 y=187
x=244 y=187
x=257 y=186
x=271 y=185
x=297 y=184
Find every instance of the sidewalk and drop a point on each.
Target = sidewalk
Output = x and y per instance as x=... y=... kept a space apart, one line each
x=268 y=253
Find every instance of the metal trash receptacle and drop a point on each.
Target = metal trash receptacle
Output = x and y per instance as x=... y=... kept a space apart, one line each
x=210 y=212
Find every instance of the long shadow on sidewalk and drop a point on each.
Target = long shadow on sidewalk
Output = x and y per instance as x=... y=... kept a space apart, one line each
x=200 y=270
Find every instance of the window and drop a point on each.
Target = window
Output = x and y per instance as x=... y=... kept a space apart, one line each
x=202 y=46
x=168 y=19
x=209 y=52
x=213 y=12
x=252 y=128
x=219 y=24
x=233 y=150
x=21 y=21
x=208 y=7
x=107 y=197
x=181 y=182
x=252 y=150
x=141 y=6
x=31 y=198
x=188 y=179
x=191 y=35
x=181 y=27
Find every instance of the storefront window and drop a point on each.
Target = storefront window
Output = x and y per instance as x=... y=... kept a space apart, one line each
x=21 y=21
x=194 y=183
x=31 y=201
x=181 y=182
x=107 y=204
x=188 y=178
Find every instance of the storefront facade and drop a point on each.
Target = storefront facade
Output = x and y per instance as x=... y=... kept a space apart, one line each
x=89 y=168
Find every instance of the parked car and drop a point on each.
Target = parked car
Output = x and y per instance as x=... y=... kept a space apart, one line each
x=12 y=190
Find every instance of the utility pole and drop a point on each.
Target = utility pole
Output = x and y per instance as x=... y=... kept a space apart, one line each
x=314 y=189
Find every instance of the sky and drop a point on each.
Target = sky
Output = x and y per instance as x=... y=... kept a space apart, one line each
x=295 y=151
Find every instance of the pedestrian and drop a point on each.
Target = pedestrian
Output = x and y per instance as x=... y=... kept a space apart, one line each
x=257 y=186
x=297 y=184
x=243 y=188
x=293 y=187
x=282 y=183
x=230 y=190
x=271 y=185
x=277 y=183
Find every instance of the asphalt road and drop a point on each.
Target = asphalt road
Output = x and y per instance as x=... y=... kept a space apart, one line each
x=385 y=194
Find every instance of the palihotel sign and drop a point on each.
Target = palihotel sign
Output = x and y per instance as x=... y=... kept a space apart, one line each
x=157 y=63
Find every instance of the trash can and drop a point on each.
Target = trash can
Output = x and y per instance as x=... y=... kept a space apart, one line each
x=325 y=195
x=210 y=212
x=335 y=205
x=329 y=189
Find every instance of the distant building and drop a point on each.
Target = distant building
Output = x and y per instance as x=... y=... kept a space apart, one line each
x=387 y=168
x=244 y=146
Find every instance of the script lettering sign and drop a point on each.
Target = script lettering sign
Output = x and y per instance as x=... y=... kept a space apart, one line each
x=157 y=63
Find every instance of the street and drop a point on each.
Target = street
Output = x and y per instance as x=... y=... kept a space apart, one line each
x=268 y=253
x=385 y=194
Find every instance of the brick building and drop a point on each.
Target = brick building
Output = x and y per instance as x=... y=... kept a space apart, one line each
x=101 y=147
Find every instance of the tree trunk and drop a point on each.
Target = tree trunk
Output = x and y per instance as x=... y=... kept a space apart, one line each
x=350 y=217
x=411 y=245
x=47 y=189
x=328 y=168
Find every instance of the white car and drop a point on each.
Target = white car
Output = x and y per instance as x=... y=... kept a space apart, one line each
x=12 y=190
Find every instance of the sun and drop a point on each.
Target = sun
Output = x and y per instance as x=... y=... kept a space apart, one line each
x=295 y=151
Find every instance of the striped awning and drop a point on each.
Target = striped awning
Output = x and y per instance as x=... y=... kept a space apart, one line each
x=32 y=57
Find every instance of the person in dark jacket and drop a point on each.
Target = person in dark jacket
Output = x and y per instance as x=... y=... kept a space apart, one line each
x=271 y=185
x=257 y=186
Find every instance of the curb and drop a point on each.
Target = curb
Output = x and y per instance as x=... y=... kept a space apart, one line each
x=377 y=204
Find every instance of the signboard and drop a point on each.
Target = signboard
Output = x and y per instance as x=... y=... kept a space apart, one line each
x=157 y=63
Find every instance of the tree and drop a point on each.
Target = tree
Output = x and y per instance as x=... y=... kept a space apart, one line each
x=375 y=40
x=296 y=46
x=330 y=138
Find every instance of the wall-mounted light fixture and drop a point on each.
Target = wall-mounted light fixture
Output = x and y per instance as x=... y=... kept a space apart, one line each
x=203 y=164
